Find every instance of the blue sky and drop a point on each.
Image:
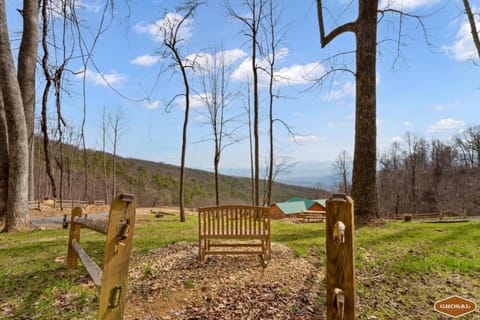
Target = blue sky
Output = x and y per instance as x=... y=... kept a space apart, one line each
x=429 y=90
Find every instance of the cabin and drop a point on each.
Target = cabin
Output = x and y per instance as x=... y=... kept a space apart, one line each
x=294 y=207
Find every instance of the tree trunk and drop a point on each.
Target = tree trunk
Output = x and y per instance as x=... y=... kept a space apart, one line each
x=473 y=26
x=256 y=137
x=17 y=208
x=184 y=151
x=184 y=139
x=364 y=161
x=216 y=162
x=27 y=61
x=3 y=164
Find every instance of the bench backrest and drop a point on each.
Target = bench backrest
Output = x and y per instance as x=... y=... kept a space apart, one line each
x=234 y=221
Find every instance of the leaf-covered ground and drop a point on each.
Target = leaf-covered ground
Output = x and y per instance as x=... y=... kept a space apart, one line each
x=170 y=283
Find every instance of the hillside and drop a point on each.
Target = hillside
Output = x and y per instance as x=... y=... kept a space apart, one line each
x=154 y=183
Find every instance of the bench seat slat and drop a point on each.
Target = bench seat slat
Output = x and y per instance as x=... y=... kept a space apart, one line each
x=234 y=252
x=224 y=236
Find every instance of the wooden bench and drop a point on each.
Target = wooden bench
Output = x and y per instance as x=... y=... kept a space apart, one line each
x=112 y=279
x=249 y=224
x=313 y=216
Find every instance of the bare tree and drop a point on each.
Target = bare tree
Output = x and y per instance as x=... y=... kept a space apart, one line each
x=281 y=164
x=273 y=36
x=104 y=128
x=117 y=125
x=216 y=96
x=343 y=167
x=473 y=25
x=252 y=22
x=172 y=40
x=17 y=191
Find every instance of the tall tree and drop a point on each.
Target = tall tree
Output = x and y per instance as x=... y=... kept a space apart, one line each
x=117 y=125
x=473 y=25
x=104 y=129
x=252 y=22
x=342 y=166
x=172 y=40
x=215 y=96
x=27 y=61
x=273 y=36
x=364 y=160
x=17 y=192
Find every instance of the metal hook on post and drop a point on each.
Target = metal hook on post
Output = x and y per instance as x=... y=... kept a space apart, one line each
x=339 y=232
x=339 y=302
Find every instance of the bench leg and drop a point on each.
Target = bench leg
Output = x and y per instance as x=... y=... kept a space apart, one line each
x=202 y=244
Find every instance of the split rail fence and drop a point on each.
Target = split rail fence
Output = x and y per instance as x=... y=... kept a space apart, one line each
x=112 y=279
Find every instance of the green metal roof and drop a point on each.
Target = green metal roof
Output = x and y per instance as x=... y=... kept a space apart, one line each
x=308 y=202
x=292 y=207
x=323 y=202
x=298 y=205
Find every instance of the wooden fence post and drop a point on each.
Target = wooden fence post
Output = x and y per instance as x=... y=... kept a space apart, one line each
x=72 y=257
x=118 y=248
x=340 y=258
x=112 y=280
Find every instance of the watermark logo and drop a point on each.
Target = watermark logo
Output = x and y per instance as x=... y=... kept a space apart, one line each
x=455 y=306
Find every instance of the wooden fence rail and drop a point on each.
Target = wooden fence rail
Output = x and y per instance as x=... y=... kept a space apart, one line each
x=112 y=280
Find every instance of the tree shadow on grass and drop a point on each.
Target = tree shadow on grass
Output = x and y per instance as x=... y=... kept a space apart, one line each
x=41 y=288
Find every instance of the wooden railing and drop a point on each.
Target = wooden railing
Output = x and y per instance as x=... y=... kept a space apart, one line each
x=112 y=279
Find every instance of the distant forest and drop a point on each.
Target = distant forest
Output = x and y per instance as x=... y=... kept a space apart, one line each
x=154 y=184
x=416 y=175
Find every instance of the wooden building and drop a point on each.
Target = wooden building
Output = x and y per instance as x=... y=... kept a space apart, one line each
x=294 y=207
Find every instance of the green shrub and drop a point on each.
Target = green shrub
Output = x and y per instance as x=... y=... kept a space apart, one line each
x=407 y=217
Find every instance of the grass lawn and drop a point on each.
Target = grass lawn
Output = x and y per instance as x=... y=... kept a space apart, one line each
x=402 y=268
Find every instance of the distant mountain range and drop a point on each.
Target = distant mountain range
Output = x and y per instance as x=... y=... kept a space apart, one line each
x=306 y=174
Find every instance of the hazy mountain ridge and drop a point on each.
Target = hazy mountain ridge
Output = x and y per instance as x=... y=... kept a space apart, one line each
x=153 y=183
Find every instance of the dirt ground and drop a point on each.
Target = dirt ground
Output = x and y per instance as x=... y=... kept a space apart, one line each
x=170 y=283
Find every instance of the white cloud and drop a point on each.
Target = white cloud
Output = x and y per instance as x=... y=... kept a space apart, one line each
x=299 y=74
x=407 y=124
x=446 y=126
x=463 y=48
x=196 y=101
x=307 y=138
x=163 y=27
x=206 y=60
x=406 y=4
x=56 y=7
x=151 y=105
x=113 y=78
x=232 y=56
x=291 y=75
x=146 y=60
x=345 y=90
